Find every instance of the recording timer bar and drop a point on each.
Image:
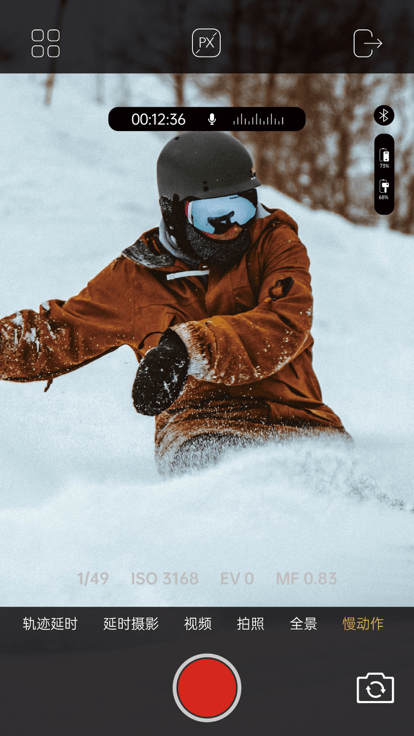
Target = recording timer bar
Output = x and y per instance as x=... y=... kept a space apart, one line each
x=207 y=118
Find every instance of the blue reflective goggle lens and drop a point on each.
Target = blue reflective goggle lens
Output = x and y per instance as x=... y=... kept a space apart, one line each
x=217 y=215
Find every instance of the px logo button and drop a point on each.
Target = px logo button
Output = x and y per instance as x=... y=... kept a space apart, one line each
x=206 y=43
x=375 y=687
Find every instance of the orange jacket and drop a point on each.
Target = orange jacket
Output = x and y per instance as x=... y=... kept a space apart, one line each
x=247 y=333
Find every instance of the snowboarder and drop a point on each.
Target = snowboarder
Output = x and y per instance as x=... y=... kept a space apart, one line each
x=216 y=304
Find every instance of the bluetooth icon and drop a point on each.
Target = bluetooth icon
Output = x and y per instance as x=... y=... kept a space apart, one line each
x=384 y=115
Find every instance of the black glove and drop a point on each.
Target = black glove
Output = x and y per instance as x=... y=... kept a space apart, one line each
x=161 y=375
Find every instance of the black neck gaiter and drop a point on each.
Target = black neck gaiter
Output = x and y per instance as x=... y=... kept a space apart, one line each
x=224 y=253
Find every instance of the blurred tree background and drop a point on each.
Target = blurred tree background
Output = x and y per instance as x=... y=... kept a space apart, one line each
x=330 y=163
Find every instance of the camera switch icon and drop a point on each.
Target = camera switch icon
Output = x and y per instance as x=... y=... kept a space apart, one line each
x=375 y=687
x=206 y=43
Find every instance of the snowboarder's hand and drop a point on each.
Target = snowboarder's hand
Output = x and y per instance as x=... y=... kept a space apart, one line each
x=161 y=375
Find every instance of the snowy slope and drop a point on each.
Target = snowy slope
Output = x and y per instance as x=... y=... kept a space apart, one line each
x=79 y=487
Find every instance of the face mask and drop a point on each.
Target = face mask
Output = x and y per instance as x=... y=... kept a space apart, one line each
x=224 y=253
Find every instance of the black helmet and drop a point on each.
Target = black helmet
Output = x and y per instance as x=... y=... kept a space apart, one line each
x=203 y=165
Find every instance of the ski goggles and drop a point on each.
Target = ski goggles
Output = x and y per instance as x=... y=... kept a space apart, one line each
x=219 y=214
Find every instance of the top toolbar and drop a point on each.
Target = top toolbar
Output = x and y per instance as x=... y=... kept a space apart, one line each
x=214 y=36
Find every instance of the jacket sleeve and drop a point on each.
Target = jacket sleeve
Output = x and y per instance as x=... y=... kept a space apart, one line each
x=63 y=336
x=248 y=347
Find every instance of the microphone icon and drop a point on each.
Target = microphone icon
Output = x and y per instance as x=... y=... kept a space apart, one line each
x=212 y=118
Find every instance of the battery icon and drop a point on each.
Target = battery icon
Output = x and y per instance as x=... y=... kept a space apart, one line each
x=384 y=158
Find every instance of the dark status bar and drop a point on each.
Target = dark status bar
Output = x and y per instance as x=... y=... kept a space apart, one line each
x=214 y=36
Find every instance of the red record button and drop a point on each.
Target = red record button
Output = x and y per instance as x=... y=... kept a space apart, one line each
x=207 y=687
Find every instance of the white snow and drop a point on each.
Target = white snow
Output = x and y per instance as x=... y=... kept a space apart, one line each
x=18 y=319
x=79 y=487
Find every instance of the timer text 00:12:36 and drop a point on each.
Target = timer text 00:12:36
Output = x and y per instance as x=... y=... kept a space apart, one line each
x=157 y=118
